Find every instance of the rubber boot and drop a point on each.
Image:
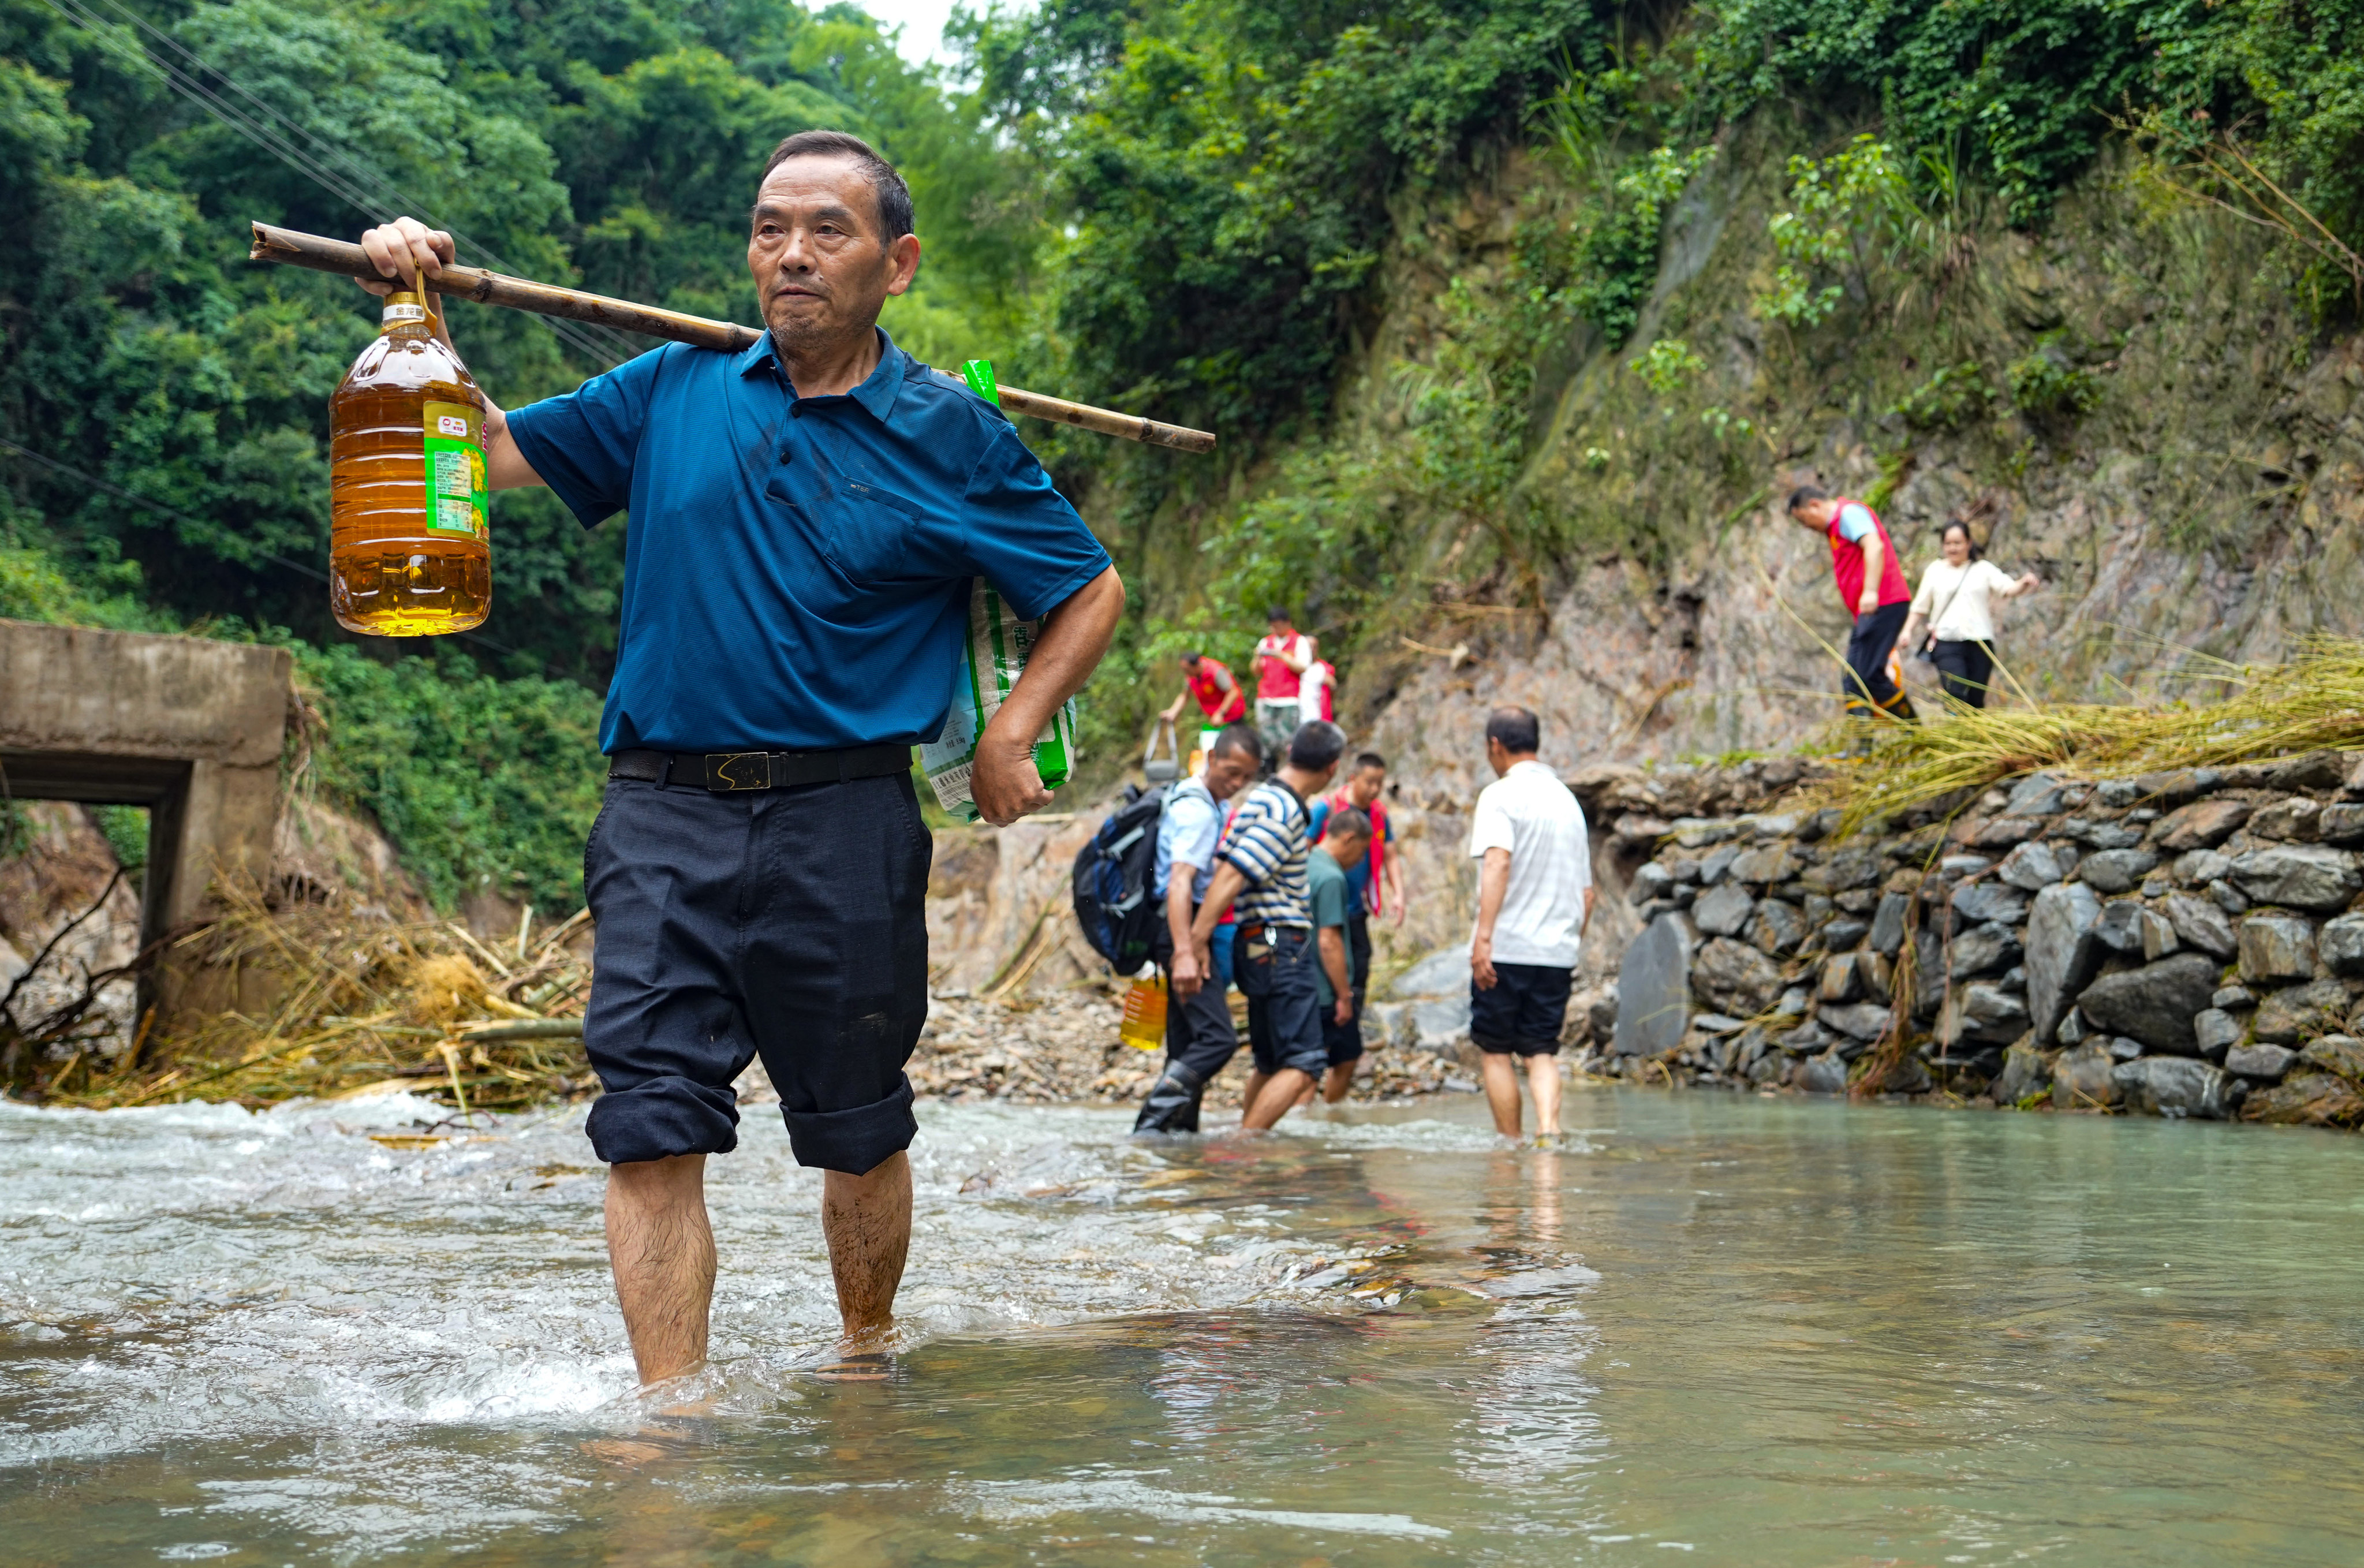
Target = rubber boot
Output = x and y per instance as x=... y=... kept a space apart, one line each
x=1172 y=1106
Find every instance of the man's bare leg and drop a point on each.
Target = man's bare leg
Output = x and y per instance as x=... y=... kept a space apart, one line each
x=1336 y=1082
x=1543 y=1079
x=1279 y=1092
x=661 y=1250
x=1501 y=1091
x=1258 y=1079
x=867 y=1221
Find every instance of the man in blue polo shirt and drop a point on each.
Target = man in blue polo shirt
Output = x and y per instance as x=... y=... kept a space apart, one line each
x=806 y=518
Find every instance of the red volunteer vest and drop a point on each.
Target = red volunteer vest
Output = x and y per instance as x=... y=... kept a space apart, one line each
x=1846 y=562
x=1221 y=706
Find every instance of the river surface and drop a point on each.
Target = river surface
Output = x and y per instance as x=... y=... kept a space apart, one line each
x=1738 y=1330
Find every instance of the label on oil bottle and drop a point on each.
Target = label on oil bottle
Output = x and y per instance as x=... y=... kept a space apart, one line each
x=457 y=499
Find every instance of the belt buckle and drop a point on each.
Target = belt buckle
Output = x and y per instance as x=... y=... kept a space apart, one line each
x=738 y=769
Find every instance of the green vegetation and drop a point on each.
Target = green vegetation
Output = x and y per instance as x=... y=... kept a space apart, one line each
x=1405 y=260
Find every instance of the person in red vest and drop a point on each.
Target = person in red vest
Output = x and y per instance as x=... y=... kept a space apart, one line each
x=1217 y=693
x=1872 y=584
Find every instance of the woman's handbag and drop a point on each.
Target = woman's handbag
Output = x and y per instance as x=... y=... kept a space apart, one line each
x=1927 y=652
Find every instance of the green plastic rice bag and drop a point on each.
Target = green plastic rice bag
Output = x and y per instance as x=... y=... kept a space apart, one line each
x=992 y=658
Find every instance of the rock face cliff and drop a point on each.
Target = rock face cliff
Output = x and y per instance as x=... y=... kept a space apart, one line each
x=2131 y=404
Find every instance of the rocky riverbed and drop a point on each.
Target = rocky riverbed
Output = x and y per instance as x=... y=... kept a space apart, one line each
x=2181 y=944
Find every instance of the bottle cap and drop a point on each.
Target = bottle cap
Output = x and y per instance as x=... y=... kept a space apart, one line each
x=404 y=305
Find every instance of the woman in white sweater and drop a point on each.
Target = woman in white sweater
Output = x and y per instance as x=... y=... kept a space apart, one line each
x=1955 y=610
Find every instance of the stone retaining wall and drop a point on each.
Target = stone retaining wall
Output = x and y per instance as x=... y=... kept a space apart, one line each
x=2178 y=944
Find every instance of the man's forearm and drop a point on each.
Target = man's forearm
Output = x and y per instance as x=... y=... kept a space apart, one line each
x=1586 y=924
x=1872 y=556
x=1177 y=904
x=1334 y=960
x=1075 y=637
x=1493 y=887
x=1226 y=885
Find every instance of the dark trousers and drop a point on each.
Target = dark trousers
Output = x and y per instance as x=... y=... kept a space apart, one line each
x=1966 y=667
x=1275 y=969
x=1199 y=1039
x=1344 y=1042
x=1867 y=686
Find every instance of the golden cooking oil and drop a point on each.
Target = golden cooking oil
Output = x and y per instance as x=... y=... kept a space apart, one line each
x=410 y=547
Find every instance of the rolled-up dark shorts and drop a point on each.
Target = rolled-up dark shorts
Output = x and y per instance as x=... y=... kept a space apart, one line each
x=1523 y=1014
x=1275 y=967
x=785 y=923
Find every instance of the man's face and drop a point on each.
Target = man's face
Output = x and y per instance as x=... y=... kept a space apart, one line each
x=1364 y=786
x=1498 y=757
x=1815 y=514
x=1227 y=771
x=1279 y=626
x=1190 y=669
x=822 y=267
x=1347 y=851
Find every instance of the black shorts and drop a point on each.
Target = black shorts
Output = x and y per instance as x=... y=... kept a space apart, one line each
x=1342 y=1043
x=785 y=923
x=1523 y=1014
x=1275 y=971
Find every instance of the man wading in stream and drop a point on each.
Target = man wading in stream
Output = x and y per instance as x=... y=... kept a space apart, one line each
x=807 y=516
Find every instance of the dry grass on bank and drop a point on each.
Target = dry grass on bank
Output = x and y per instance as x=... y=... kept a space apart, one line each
x=2315 y=702
x=363 y=1002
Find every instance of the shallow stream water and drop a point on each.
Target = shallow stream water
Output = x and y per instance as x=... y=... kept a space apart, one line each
x=1740 y=1329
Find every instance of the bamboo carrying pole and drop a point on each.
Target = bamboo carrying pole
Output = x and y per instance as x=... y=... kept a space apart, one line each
x=347 y=260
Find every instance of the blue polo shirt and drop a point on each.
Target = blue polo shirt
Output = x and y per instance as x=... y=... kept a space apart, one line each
x=797 y=570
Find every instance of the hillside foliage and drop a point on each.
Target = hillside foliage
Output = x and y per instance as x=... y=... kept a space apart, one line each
x=1192 y=209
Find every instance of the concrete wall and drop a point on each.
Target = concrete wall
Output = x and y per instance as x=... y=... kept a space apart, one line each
x=188 y=728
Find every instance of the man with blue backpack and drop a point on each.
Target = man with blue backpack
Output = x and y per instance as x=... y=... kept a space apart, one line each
x=1199 y=1038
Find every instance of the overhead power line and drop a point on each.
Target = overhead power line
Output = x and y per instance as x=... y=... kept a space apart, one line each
x=349 y=179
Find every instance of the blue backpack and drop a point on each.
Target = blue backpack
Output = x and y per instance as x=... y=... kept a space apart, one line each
x=1115 y=902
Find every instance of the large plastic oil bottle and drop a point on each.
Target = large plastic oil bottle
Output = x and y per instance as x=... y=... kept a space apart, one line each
x=409 y=549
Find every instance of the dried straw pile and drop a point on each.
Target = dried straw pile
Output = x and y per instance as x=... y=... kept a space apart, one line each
x=361 y=1003
x=2316 y=702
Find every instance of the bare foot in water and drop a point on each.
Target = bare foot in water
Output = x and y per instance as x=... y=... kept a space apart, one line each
x=860 y=1358
x=675 y=1412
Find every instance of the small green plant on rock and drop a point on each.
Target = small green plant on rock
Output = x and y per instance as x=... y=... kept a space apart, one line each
x=1841 y=209
x=1667 y=365
x=2048 y=386
x=1956 y=396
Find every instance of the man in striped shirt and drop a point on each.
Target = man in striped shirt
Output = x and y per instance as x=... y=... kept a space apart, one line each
x=1260 y=874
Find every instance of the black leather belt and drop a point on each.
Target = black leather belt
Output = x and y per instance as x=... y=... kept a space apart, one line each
x=760 y=770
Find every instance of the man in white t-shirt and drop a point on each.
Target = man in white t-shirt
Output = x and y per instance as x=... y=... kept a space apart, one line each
x=1534 y=899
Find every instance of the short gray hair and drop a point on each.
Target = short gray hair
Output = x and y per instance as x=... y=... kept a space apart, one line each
x=893 y=195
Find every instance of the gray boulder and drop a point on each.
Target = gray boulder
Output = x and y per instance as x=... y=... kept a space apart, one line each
x=2300 y=1012
x=2297 y=817
x=2084 y=1078
x=2229 y=899
x=2121 y=926
x=1439 y=1022
x=2299 y=876
x=1723 y=910
x=1983 y=949
x=2276 y=949
x=2037 y=795
x=1839 y=981
x=1448 y=968
x=1653 y=990
x=1980 y=1013
x=1823 y=1074
x=2202 y=825
x=2004 y=831
x=1736 y=978
x=1887 y=923
x=2341 y=944
x=1777 y=927
x=2216 y=1030
x=1764 y=865
x=2341 y=824
x=1984 y=901
x=2200 y=924
x=2062 y=954
x=1859 y=1021
x=2340 y=1053
x=2157 y=933
x=2173 y=1087
x=2116 y=871
x=2033 y=867
x=1718 y=863
x=2025 y=1073
x=2155 y=1004
x=2201 y=867
x=2268 y=1062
